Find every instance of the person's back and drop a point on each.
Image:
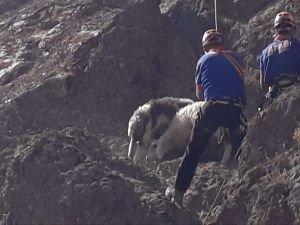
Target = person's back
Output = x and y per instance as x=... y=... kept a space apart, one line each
x=280 y=57
x=219 y=77
x=279 y=61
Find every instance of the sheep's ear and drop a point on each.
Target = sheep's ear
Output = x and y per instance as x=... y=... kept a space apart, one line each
x=146 y=138
x=161 y=126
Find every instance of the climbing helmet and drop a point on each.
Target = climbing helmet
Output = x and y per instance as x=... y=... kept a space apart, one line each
x=212 y=37
x=284 y=19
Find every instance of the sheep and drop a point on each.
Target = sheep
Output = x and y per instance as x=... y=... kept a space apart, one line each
x=173 y=142
x=149 y=122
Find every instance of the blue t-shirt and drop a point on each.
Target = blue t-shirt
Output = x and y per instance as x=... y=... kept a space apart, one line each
x=279 y=57
x=218 y=76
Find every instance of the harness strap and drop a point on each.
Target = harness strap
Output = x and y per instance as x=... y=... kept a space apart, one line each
x=286 y=80
x=230 y=59
x=234 y=62
x=229 y=102
x=279 y=85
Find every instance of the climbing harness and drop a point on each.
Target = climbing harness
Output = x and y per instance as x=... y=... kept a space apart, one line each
x=234 y=62
x=280 y=84
x=229 y=101
x=231 y=60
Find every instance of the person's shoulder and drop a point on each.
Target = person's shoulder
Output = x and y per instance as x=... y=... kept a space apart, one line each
x=268 y=46
x=296 y=42
x=233 y=53
x=296 y=39
x=205 y=57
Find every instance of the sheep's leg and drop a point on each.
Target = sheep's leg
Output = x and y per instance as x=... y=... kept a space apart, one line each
x=140 y=154
x=227 y=153
x=130 y=148
x=158 y=168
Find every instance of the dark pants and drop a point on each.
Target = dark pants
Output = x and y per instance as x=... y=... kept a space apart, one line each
x=211 y=116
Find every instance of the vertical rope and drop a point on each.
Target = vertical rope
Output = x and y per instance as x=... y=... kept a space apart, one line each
x=216 y=16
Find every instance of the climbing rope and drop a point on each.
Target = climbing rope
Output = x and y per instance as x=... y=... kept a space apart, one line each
x=213 y=204
x=216 y=16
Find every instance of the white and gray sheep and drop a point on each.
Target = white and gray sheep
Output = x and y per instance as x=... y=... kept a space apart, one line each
x=149 y=122
x=173 y=142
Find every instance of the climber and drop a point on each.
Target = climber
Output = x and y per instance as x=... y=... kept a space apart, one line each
x=279 y=61
x=220 y=81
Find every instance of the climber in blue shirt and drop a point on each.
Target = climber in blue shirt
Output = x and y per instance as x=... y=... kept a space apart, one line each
x=216 y=75
x=280 y=60
x=220 y=82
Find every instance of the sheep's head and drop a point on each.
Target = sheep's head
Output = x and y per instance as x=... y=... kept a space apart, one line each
x=149 y=122
x=138 y=127
x=160 y=151
x=152 y=152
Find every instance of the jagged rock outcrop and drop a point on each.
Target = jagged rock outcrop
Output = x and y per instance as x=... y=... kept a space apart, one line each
x=72 y=73
x=274 y=137
x=70 y=58
x=69 y=177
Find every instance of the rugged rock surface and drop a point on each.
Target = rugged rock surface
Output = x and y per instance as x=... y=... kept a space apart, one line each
x=71 y=74
x=65 y=61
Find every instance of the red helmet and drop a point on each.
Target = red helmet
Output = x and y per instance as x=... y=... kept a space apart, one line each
x=212 y=37
x=285 y=19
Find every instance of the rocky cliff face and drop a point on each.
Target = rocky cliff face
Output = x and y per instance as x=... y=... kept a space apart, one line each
x=72 y=73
